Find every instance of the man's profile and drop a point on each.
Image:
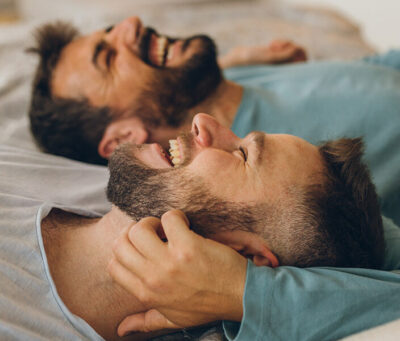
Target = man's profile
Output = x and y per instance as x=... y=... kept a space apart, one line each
x=71 y=249
x=259 y=184
x=148 y=85
x=93 y=92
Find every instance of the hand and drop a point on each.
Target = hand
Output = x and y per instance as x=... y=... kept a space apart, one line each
x=187 y=281
x=278 y=51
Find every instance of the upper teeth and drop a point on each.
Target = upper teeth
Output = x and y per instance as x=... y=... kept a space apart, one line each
x=162 y=43
x=170 y=53
x=174 y=152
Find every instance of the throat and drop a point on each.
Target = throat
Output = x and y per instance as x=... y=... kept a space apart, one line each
x=77 y=262
x=223 y=104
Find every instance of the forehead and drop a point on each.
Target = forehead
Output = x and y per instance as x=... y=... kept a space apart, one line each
x=74 y=71
x=292 y=158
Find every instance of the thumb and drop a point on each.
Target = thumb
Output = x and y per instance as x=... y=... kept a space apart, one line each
x=148 y=321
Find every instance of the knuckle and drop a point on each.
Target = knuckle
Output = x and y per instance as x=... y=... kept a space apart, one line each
x=184 y=255
x=171 y=269
x=144 y=297
x=153 y=282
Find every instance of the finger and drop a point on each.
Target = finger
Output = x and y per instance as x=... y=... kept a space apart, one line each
x=300 y=55
x=148 y=321
x=144 y=237
x=286 y=54
x=176 y=228
x=125 y=278
x=126 y=254
x=279 y=44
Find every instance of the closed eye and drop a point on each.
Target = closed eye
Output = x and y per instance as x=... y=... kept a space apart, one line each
x=110 y=54
x=244 y=153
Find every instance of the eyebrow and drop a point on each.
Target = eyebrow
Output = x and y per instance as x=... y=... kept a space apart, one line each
x=257 y=138
x=100 y=46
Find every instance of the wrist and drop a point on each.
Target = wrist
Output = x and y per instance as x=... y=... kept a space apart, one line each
x=233 y=298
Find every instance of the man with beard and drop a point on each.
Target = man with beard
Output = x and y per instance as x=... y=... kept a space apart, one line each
x=174 y=279
x=159 y=80
x=54 y=257
x=129 y=83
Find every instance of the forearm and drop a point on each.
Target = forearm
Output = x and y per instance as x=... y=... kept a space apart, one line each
x=276 y=52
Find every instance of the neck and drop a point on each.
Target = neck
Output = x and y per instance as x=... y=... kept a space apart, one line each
x=78 y=251
x=223 y=104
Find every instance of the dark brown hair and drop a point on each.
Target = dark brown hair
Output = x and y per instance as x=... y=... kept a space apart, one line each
x=334 y=223
x=349 y=207
x=66 y=127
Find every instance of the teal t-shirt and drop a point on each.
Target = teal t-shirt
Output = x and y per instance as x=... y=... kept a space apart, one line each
x=329 y=100
x=321 y=101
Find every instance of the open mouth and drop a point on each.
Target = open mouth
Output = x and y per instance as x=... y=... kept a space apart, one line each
x=160 y=50
x=174 y=153
x=171 y=156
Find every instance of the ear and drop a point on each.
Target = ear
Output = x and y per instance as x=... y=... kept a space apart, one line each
x=249 y=245
x=124 y=130
x=264 y=256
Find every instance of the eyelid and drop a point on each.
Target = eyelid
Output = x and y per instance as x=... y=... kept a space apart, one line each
x=110 y=54
x=243 y=152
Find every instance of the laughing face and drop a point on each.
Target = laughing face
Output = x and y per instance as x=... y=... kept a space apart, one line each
x=212 y=173
x=137 y=72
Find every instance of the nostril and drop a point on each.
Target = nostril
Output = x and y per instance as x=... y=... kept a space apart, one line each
x=109 y=29
x=196 y=129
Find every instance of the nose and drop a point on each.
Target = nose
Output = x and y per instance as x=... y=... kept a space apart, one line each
x=208 y=132
x=126 y=32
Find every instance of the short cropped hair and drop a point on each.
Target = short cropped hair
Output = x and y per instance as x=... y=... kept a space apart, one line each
x=337 y=222
x=65 y=127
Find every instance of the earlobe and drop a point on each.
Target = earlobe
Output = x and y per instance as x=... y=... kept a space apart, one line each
x=250 y=245
x=107 y=146
x=265 y=258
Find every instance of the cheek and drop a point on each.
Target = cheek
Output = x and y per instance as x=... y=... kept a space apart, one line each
x=225 y=176
x=212 y=165
x=131 y=68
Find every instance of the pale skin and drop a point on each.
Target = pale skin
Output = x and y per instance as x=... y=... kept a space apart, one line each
x=198 y=290
x=116 y=80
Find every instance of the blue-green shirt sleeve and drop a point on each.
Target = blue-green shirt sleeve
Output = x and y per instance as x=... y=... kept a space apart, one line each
x=289 y=303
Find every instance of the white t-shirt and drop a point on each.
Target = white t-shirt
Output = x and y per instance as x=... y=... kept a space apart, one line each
x=31 y=184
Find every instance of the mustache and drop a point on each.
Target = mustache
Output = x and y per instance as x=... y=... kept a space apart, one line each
x=145 y=42
x=149 y=31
